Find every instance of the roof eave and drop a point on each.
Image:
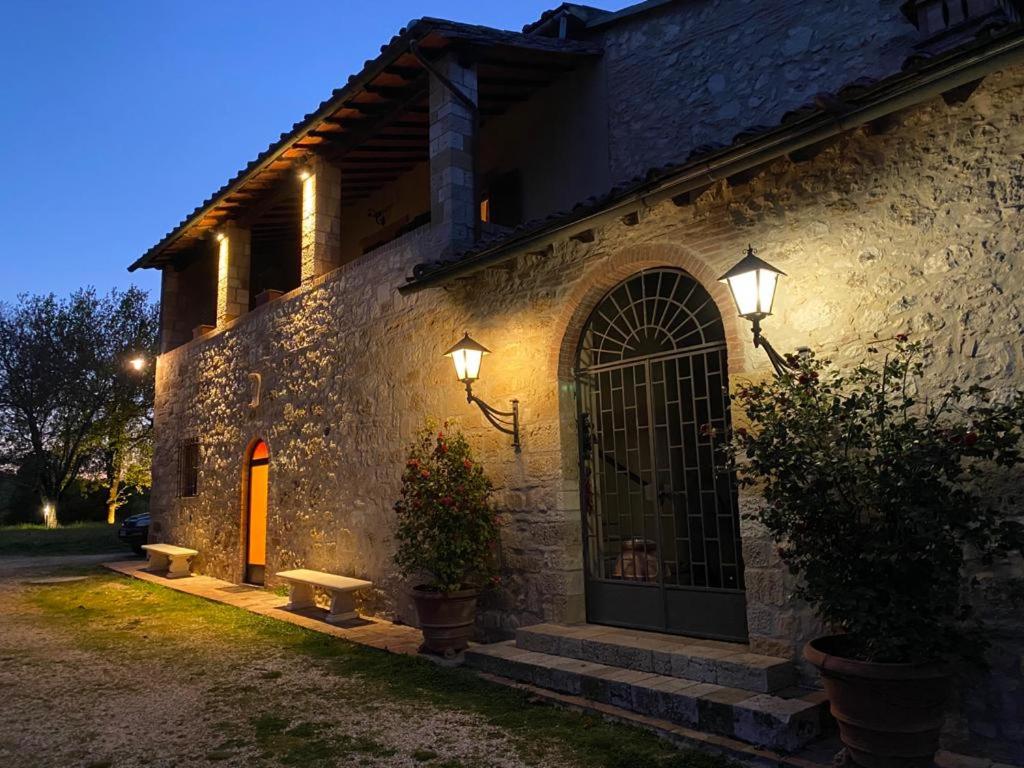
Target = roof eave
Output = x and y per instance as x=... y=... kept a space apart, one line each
x=397 y=47
x=893 y=95
x=415 y=31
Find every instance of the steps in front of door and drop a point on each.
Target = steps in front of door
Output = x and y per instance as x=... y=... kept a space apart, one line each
x=785 y=721
x=704 y=661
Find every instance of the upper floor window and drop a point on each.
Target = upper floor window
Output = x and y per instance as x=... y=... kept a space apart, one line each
x=188 y=467
x=502 y=200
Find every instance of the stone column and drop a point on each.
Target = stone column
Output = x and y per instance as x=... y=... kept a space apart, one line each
x=232 y=274
x=321 y=220
x=170 y=320
x=453 y=140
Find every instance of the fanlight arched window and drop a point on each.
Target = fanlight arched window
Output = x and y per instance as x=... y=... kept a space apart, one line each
x=655 y=312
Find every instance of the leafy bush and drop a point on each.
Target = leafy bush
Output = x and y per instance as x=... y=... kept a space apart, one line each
x=447 y=528
x=874 y=490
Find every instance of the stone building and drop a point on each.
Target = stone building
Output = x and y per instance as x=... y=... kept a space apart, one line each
x=553 y=190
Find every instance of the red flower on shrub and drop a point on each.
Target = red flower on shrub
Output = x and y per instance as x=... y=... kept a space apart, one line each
x=446 y=527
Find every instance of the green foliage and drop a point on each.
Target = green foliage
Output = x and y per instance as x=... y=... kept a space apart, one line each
x=74 y=539
x=447 y=528
x=873 y=491
x=67 y=399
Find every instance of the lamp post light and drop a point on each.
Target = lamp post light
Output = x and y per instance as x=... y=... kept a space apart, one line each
x=752 y=283
x=467 y=356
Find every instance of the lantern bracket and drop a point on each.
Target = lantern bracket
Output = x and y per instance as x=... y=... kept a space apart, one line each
x=503 y=421
x=779 y=363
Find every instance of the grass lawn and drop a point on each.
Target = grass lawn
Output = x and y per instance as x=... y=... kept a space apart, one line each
x=75 y=539
x=189 y=682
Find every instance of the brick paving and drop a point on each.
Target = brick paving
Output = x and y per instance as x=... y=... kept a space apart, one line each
x=375 y=633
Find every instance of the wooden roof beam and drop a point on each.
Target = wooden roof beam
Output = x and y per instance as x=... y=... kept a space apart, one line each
x=413 y=149
x=284 y=193
x=406 y=73
x=353 y=122
x=370 y=127
x=387 y=91
x=384 y=162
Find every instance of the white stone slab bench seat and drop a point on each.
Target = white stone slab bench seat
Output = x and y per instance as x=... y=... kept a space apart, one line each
x=342 y=589
x=169 y=560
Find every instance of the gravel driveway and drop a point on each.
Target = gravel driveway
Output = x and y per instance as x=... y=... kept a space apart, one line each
x=108 y=671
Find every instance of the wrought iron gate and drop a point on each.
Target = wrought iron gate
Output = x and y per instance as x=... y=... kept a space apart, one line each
x=661 y=525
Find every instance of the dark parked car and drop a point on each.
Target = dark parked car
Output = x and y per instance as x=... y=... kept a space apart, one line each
x=134 y=531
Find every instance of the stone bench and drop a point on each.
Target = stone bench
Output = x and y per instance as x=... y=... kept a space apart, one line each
x=302 y=581
x=169 y=560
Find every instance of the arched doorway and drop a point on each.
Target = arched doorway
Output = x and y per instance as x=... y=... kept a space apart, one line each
x=256 y=513
x=660 y=516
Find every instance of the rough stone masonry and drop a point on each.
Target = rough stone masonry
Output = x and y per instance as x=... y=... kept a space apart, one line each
x=911 y=227
x=915 y=230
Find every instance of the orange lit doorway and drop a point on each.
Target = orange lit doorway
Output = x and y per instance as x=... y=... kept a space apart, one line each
x=256 y=544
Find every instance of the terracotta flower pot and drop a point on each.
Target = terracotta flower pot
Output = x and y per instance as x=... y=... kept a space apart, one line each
x=638 y=561
x=446 y=619
x=889 y=715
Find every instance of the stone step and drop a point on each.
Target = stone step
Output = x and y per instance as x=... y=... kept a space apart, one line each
x=704 y=661
x=784 y=724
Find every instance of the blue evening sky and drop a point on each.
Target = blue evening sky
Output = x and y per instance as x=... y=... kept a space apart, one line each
x=117 y=117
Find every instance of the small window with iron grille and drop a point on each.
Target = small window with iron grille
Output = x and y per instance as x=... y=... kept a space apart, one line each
x=188 y=467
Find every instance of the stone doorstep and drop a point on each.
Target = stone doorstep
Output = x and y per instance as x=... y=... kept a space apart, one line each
x=727 y=664
x=817 y=755
x=757 y=718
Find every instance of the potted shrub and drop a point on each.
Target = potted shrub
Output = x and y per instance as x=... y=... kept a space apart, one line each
x=447 y=532
x=873 y=491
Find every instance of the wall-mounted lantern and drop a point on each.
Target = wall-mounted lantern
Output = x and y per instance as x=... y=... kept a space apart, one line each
x=752 y=283
x=467 y=356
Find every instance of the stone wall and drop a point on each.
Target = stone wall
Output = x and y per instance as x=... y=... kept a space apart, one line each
x=916 y=230
x=700 y=72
